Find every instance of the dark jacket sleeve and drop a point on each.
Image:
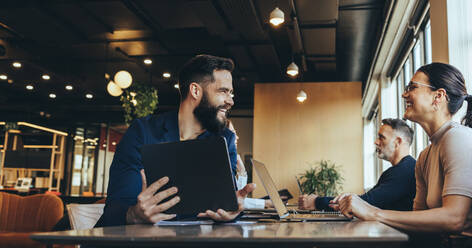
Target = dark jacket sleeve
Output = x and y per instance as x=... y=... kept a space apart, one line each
x=125 y=179
x=322 y=202
x=393 y=186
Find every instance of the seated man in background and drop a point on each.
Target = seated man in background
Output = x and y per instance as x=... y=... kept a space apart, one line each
x=206 y=91
x=396 y=187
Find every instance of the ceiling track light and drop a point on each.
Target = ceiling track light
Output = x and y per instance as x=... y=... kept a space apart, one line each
x=166 y=74
x=29 y=87
x=52 y=95
x=46 y=77
x=69 y=87
x=292 y=69
x=88 y=96
x=277 y=17
x=301 y=96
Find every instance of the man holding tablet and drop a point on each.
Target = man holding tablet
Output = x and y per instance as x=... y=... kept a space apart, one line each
x=206 y=91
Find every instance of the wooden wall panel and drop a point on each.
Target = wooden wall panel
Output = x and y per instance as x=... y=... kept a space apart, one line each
x=288 y=134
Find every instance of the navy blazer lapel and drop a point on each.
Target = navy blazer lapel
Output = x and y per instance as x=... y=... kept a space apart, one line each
x=171 y=127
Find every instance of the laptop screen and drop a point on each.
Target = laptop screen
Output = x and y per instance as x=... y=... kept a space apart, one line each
x=269 y=186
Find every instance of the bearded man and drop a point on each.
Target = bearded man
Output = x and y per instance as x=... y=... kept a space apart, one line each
x=396 y=187
x=206 y=96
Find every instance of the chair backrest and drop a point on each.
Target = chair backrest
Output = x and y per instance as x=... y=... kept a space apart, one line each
x=34 y=213
x=84 y=216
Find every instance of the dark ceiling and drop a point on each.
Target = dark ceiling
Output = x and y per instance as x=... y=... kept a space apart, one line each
x=78 y=42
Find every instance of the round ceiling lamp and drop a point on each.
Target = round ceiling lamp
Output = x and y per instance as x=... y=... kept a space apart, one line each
x=114 y=89
x=147 y=61
x=16 y=64
x=301 y=96
x=292 y=69
x=123 y=79
x=277 y=17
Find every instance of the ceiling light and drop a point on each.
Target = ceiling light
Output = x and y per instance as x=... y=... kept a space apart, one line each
x=10 y=81
x=46 y=77
x=114 y=89
x=292 y=69
x=52 y=95
x=88 y=96
x=29 y=87
x=166 y=74
x=3 y=77
x=16 y=64
x=276 y=17
x=176 y=85
x=301 y=96
x=147 y=61
x=69 y=87
x=113 y=143
x=123 y=79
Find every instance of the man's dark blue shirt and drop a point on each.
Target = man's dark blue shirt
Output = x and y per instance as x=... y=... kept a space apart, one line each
x=395 y=189
x=125 y=179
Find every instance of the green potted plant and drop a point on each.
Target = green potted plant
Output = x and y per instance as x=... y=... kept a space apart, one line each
x=138 y=101
x=323 y=179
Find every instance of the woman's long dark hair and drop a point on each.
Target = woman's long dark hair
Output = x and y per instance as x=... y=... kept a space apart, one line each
x=450 y=79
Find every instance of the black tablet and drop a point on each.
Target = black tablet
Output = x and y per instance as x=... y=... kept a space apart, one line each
x=200 y=169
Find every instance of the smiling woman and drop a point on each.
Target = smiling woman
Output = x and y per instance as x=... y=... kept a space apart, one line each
x=444 y=189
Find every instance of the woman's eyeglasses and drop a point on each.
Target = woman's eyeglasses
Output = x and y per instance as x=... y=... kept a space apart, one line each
x=412 y=85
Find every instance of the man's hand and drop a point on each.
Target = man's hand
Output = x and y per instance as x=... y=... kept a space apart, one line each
x=147 y=209
x=222 y=215
x=307 y=202
x=352 y=205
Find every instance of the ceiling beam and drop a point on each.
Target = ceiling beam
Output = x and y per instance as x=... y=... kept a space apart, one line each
x=144 y=17
x=105 y=25
x=62 y=21
x=298 y=36
x=361 y=6
x=227 y=22
x=283 y=55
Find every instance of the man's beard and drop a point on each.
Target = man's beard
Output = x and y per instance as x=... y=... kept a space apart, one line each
x=387 y=152
x=207 y=115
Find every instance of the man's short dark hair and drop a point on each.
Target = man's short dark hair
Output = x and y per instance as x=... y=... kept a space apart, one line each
x=400 y=126
x=200 y=69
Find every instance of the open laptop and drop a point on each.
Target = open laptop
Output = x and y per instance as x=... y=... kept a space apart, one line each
x=200 y=169
x=282 y=211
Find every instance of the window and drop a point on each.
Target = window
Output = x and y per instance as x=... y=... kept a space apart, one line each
x=419 y=55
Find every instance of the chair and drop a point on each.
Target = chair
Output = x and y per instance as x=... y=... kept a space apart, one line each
x=84 y=216
x=22 y=215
